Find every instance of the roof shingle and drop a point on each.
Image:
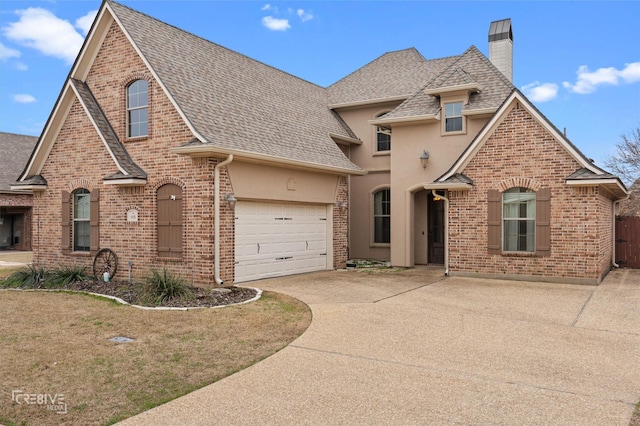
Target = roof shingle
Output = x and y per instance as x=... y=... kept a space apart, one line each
x=15 y=151
x=235 y=102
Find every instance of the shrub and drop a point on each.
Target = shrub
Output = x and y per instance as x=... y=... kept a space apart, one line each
x=29 y=277
x=164 y=286
x=66 y=275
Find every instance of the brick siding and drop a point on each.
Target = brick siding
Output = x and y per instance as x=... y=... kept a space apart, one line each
x=79 y=159
x=520 y=152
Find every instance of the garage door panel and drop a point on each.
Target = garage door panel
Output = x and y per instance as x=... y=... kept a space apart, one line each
x=279 y=239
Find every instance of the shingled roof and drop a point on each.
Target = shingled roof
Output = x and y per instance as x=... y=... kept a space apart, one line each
x=470 y=67
x=392 y=75
x=128 y=169
x=235 y=102
x=15 y=150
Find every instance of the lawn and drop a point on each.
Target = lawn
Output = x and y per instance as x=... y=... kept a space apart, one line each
x=55 y=347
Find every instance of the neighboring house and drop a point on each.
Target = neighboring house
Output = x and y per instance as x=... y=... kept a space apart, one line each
x=174 y=151
x=15 y=204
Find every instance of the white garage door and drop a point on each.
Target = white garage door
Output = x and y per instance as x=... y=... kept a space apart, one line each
x=273 y=239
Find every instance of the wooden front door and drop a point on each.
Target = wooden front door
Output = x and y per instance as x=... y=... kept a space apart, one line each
x=436 y=230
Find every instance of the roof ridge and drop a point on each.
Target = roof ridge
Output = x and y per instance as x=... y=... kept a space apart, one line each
x=212 y=42
x=390 y=52
x=473 y=49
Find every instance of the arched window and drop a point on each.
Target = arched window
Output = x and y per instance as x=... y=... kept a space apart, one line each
x=382 y=216
x=81 y=220
x=519 y=219
x=138 y=109
x=383 y=137
x=169 y=198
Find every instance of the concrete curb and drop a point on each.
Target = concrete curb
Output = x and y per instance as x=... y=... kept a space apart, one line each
x=146 y=308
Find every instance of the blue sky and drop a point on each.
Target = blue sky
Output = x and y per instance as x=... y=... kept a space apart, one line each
x=578 y=61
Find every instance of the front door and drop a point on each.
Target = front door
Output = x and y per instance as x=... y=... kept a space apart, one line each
x=436 y=230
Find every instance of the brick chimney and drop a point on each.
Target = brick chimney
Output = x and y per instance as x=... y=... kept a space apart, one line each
x=501 y=46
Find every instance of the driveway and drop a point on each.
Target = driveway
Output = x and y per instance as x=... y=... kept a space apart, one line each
x=414 y=347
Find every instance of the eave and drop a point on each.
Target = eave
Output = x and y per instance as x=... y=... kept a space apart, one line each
x=461 y=88
x=207 y=150
x=344 y=140
x=457 y=186
x=125 y=182
x=415 y=119
x=34 y=188
x=479 y=113
x=369 y=102
x=612 y=185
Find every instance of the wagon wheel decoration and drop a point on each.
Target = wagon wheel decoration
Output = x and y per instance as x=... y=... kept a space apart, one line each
x=105 y=261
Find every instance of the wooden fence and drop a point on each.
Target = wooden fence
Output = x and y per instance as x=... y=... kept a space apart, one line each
x=628 y=241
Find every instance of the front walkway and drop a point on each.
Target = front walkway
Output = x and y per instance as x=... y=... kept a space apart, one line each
x=414 y=347
x=13 y=258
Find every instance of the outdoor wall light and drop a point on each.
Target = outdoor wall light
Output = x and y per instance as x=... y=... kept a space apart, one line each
x=342 y=205
x=231 y=200
x=424 y=158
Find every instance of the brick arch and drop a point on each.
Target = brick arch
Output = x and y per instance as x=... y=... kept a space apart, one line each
x=79 y=183
x=519 y=182
x=130 y=78
x=173 y=180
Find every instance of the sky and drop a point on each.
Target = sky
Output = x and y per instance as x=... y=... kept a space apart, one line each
x=577 y=61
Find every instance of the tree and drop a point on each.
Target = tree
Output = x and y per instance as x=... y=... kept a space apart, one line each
x=625 y=162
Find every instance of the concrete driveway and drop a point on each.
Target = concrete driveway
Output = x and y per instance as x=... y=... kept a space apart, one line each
x=414 y=347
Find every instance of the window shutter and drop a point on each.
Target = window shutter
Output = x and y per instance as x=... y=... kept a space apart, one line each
x=543 y=222
x=66 y=223
x=494 y=221
x=94 y=222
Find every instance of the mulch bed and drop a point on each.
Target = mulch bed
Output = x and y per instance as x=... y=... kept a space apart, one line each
x=200 y=297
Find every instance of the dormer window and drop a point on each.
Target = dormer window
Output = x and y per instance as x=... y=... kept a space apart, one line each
x=453 y=117
x=383 y=137
x=138 y=109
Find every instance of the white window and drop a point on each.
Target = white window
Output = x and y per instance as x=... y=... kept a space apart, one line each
x=138 y=109
x=453 y=117
x=519 y=219
x=81 y=219
x=382 y=216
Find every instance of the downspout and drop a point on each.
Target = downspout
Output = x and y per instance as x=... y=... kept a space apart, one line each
x=216 y=219
x=613 y=232
x=446 y=230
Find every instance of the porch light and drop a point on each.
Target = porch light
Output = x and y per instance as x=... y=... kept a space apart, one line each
x=423 y=158
x=231 y=200
x=342 y=205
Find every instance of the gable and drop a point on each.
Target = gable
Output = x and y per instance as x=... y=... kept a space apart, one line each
x=78 y=151
x=597 y=176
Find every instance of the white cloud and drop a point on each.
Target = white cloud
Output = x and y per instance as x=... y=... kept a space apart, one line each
x=24 y=99
x=588 y=81
x=42 y=30
x=304 y=16
x=84 y=23
x=8 y=53
x=540 y=92
x=20 y=66
x=269 y=7
x=276 y=24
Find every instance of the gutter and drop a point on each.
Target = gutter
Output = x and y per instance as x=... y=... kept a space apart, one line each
x=216 y=220
x=446 y=231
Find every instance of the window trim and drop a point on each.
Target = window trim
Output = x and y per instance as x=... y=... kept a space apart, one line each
x=75 y=220
x=530 y=239
x=461 y=117
x=373 y=242
x=129 y=110
x=381 y=130
x=543 y=237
